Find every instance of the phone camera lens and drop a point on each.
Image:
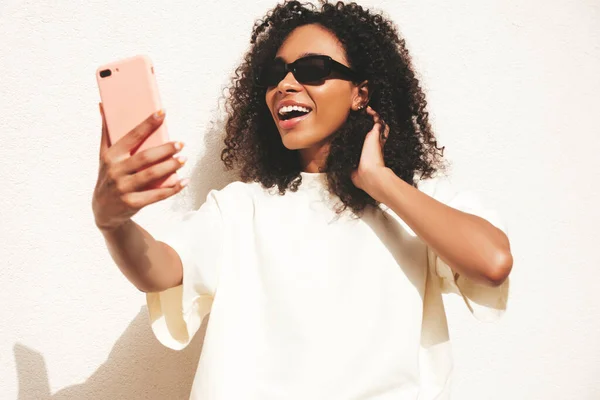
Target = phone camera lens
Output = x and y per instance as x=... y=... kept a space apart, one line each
x=105 y=73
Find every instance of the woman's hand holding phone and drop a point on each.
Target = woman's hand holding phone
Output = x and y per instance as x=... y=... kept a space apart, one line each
x=119 y=193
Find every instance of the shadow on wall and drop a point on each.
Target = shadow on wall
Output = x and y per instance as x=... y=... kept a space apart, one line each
x=138 y=367
x=209 y=171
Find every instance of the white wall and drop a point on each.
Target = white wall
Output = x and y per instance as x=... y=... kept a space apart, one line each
x=513 y=90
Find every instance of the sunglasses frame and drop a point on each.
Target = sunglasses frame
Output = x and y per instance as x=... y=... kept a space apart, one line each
x=330 y=65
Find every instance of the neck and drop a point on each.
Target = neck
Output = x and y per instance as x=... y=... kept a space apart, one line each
x=313 y=159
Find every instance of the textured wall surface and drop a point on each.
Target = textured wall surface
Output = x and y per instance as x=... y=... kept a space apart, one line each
x=513 y=91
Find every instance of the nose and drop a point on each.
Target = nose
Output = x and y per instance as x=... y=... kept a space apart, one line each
x=289 y=84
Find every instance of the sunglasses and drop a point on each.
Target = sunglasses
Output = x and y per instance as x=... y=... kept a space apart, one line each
x=307 y=69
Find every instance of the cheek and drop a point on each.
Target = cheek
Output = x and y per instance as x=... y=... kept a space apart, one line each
x=269 y=99
x=333 y=106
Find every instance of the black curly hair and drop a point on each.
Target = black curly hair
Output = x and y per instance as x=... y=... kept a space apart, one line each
x=374 y=48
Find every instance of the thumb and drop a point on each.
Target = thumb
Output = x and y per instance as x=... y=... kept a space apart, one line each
x=105 y=140
x=372 y=140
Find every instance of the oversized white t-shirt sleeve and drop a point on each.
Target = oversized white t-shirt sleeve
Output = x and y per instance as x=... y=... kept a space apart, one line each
x=177 y=313
x=485 y=302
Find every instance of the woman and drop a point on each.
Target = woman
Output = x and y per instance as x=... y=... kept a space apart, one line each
x=323 y=267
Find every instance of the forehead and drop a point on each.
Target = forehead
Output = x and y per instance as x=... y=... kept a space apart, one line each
x=310 y=39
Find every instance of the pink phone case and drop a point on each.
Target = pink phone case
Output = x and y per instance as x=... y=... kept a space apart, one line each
x=129 y=94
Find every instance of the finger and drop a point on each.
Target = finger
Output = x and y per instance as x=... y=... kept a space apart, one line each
x=138 y=134
x=374 y=114
x=385 y=133
x=104 y=140
x=382 y=132
x=150 y=157
x=375 y=131
x=142 y=199
x=141 y=179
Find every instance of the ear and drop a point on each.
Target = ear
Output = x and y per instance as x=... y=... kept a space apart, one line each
x=361 y=96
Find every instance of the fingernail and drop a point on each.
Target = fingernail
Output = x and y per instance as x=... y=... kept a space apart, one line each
x=179 y=145
x=181 y=159
x=159 y=114
x=184 y=182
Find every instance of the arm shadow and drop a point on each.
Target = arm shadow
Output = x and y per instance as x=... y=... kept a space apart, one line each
x=138 y=367
x=209 y=171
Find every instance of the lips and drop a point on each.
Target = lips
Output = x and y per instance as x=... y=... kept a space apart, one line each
x=293 y=122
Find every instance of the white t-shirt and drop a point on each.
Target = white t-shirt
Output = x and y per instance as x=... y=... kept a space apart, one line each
x=307 y=306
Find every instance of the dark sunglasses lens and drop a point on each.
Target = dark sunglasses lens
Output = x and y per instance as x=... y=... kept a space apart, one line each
x=312 y=69
x=270 y=74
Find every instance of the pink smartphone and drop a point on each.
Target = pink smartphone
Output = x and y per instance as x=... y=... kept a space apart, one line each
x=129 y=94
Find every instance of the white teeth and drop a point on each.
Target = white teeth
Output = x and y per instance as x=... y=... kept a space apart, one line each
x=288 y=109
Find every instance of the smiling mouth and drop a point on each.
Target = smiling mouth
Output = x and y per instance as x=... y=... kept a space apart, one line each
x=292 y=114
x=289 y=112
x=292 y=121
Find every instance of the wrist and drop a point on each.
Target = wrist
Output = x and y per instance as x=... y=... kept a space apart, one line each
x=381 y=182
x=111 y=229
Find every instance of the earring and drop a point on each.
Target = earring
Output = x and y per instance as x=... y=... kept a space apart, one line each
x=360 y=107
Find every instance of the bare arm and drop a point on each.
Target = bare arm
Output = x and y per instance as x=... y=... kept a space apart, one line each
x=123 y=188
x=152 y=266
x=469 y=244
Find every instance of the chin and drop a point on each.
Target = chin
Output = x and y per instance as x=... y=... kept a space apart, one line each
x=292 y=143
x=296 y=140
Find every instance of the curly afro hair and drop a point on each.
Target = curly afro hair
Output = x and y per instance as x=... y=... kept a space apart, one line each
x=374 y=48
